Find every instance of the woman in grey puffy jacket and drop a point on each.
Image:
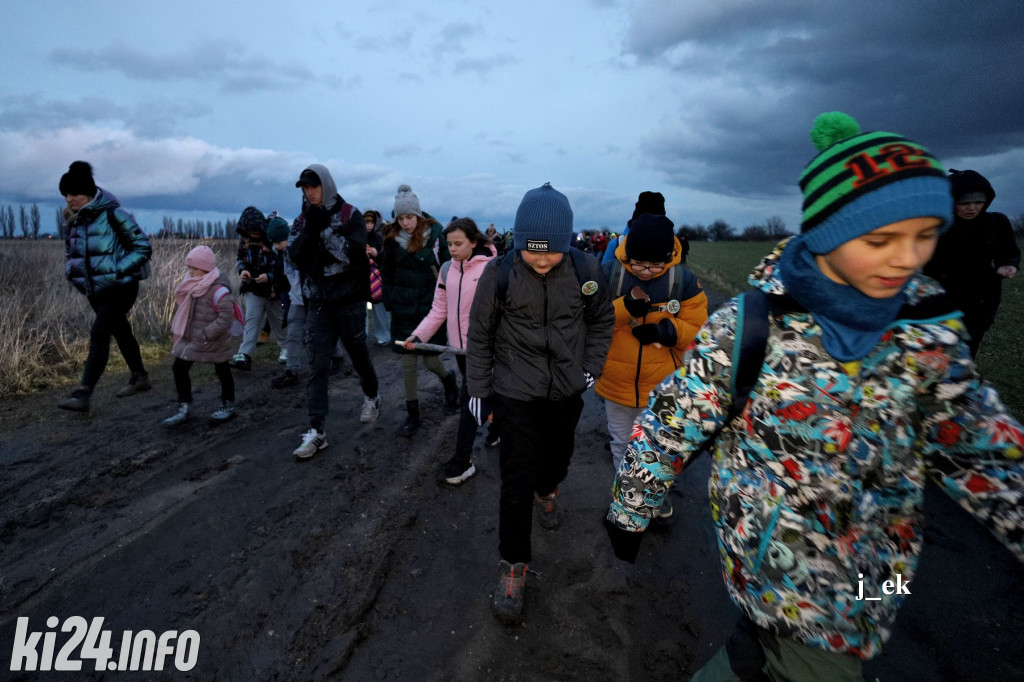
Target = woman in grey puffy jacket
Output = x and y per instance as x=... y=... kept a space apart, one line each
x=106 y=254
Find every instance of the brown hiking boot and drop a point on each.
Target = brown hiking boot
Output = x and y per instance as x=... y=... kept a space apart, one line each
x=507 y=606
x=549 y=517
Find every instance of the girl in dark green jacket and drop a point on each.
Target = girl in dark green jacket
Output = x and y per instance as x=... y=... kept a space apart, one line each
x=413 y=253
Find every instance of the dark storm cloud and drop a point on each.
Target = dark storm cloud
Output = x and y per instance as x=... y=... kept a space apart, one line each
x=221 y=62
x=944 y=73
x=36 y=112
x=483 y=66
x=152 y=118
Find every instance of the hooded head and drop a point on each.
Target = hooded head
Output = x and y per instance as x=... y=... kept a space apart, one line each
x=78 y=180
x=968 y=186
x=543 y=221
x=316 y=172
x=863 y=181
x=252 y=221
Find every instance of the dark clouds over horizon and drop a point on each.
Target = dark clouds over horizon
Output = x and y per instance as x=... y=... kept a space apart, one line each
x=473 y=104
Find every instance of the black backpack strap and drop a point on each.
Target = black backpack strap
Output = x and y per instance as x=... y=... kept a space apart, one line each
x=752 y=317
x=501 y=288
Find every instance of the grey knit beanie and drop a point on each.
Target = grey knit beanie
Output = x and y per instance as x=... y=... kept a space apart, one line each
x=543 y=221
x=406 y=202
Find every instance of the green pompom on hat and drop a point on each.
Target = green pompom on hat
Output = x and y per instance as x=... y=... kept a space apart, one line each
x=862 y=181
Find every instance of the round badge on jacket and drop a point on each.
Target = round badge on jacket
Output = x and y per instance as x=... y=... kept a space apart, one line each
x=673 y=306
x=589 y=288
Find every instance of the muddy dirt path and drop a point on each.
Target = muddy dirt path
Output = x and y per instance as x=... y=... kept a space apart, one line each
x=356 y=565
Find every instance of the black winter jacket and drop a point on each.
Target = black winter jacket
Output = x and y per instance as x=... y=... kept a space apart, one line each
x=545 y=336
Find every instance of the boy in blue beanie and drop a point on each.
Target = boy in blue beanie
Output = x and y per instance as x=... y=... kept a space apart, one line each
x=817 y=483
x=534 y=346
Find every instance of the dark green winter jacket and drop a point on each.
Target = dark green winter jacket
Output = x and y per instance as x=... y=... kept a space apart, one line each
x=409 y=280
x=99 y=255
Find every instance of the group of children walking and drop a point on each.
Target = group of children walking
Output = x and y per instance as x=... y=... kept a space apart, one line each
x=824 y=394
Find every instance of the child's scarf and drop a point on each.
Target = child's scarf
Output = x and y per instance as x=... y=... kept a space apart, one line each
x=851 y=322
x=185 y=294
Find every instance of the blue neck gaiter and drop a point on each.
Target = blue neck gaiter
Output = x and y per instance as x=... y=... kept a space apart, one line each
x=851 y=322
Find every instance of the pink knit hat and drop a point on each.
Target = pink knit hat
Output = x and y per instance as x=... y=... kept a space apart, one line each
x=201 y=257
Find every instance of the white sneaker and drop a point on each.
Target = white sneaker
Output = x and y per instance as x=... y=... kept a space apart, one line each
x=371 y=409
x=283 y=357
x=312 y=441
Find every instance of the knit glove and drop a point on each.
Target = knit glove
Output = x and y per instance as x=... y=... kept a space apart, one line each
x=636 y=307
x=317 y=218
x=625 y=544
x=589 y=379
x=480 y=408
x=663 y=332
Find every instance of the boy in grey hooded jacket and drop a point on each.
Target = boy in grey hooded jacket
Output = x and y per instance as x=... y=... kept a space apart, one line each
x=328 y=245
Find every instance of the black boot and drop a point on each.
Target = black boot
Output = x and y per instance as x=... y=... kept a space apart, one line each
x=78 y=401
x=451 y=390
x=412 y=421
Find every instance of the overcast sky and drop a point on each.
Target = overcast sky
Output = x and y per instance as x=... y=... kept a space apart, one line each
x=193 y=109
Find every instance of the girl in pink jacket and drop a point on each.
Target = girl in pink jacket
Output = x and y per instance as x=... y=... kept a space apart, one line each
x=471 y=250
x=205 y=328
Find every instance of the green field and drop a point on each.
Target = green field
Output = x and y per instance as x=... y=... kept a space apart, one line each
x=724 y=266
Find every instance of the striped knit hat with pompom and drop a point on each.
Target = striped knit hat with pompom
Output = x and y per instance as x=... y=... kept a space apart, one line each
x=862 y=181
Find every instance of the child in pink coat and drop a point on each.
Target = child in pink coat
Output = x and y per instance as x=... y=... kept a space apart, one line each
x=471 y=250
x=202 y=330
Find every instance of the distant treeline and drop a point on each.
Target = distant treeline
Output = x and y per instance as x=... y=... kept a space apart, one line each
x=26 y=223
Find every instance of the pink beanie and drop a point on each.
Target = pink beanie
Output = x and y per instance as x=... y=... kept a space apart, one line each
x=201 y=257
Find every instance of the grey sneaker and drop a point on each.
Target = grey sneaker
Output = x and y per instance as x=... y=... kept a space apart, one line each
x=665 y=514
x=224 y=414
x=137 y=383
x=312 y=441
x=371 y=409
x=453 y=472
x=178 y=417
x=241 y=361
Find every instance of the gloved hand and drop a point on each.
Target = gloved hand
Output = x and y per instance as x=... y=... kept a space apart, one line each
x=480 y=408
x=637 y=307
x=589 y=379
x=317 y=218
x=625 y=544
x=663 y=332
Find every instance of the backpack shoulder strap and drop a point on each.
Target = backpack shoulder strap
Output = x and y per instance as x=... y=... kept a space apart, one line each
x=445 y=267
x=504 y=274
x=753 y=309
x=752 y=321
x=579 y=265
x=218 y=294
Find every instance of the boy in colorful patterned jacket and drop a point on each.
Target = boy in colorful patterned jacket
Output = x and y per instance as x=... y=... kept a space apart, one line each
x=817 y=485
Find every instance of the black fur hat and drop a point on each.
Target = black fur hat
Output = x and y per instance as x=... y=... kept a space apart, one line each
x=78 y=180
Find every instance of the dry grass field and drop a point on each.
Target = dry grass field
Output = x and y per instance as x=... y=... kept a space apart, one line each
x=44 y=321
